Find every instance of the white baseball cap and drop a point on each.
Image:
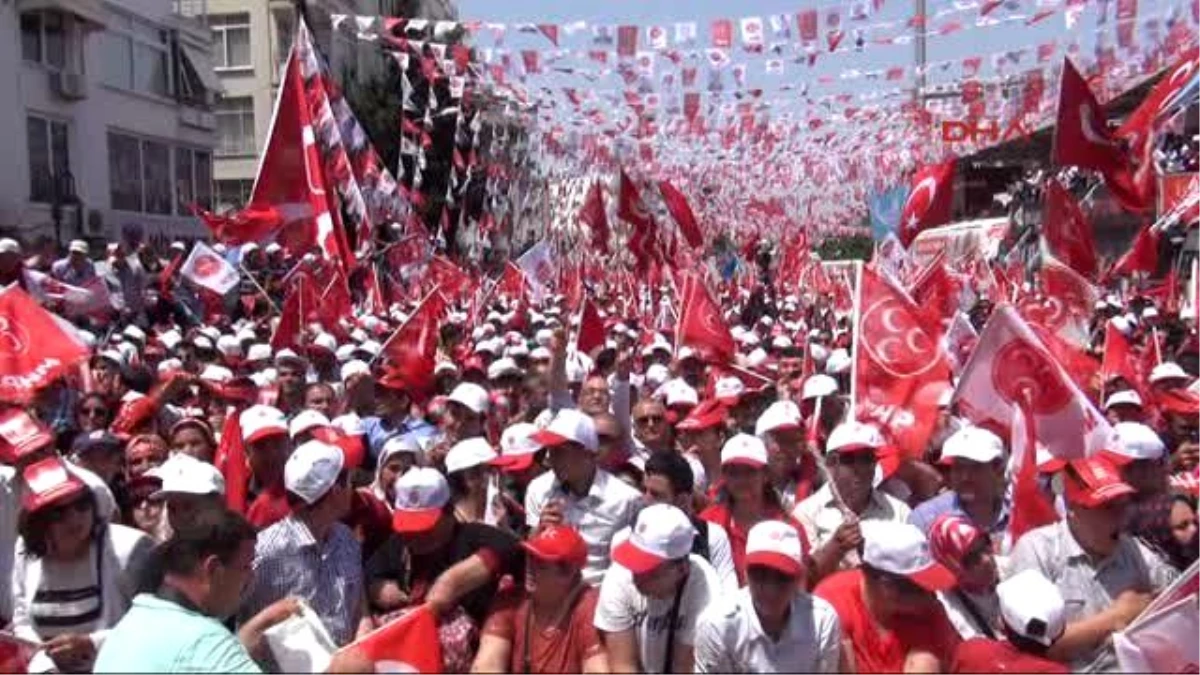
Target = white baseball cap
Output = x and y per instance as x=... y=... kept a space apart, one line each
x=1168 y=370
x=134 y=333
x=78 y=246
x=657 y=374
x=9 y=245
x=327 y=342
x=853 y=436
x=445 y=367
x=397 y=444
x=838 y=362
x=819 y=385
x=568 y=426
x=678 y=392
x=901 y=549
x=1138 y=441
x=229 y=345
x=469 y=453
x=261 y=421
x=421 y=495
x=184 y=474
x=661 y=533
x=215 y=373
x=779 y=416
x=517 y=447
x=1123 y=397
x=729 y=389
x=1032 y=607
x=744 y=449
x=312 y=469
x=974 y=444
x=285 y=354
x=354 y=367
x=471 y=396
x=258 y=352
x=345 y=352
x=540 y=354
x=775 y=544
x=503 y=367
x=306 y=420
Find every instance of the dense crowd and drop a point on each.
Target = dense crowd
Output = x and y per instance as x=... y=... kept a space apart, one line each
x=635 y=509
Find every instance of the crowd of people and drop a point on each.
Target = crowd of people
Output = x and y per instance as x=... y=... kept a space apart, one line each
x=636 y=509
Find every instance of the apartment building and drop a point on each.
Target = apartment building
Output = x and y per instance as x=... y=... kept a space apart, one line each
x=107 y=119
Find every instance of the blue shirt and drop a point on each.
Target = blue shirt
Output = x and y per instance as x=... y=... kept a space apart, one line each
x=160 y=636
x=380 y=431
x=931 y=509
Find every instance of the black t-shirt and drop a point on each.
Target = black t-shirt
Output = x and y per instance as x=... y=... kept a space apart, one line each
x=416 y=574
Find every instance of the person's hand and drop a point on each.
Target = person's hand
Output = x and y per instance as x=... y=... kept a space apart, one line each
x=72 y=653
x=1186 y=456
x=552 y=514
x=1128 y=605
x=350 y=661
x=848 y=536
x=558 y=342
x=389 y=597
x=277 y=612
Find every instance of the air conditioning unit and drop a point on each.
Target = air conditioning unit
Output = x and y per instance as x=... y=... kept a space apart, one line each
x=70 y=86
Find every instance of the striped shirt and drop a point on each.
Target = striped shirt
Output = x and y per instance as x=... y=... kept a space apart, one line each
x=327 y=575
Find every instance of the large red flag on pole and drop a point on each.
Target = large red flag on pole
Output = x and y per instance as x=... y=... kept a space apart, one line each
x=677 y=206
x=700 y=324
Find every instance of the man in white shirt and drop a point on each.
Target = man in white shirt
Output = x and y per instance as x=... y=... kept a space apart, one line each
x=831 y=519
x=773 y=625
x=650 y=600
x=577 y=492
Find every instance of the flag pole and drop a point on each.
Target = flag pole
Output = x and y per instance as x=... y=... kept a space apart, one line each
x=856 y=337
x=420 y=306
x=260 y=288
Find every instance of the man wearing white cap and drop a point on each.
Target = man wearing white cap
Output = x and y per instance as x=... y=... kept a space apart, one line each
x=651 y=598
x=890 y=617
x=577 y=492
x=310 y=554
x=76 y=268
x=188 y=487
x=833 y=515
x=773 y=625
x=793 y=470
x=976 y=458
x=1124 y=406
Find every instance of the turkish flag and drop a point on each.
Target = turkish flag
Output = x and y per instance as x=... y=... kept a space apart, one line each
x=251 y=224
x=591 y=329
x=1010 y=366
x=700 y=324
x=643 y=242
x=1081 y=136
x=1142 y=255
x=512 y=281
x=1139 y=128
x=677 y=206
x=300 y=307
x=449 y=277
x=1118 y=357
x=34 y=348
x=409 y=644
x=900 y=370
x=1067 y=231
x=940 y=292
x=231 y=461
x=929 y=201
x=592 y=214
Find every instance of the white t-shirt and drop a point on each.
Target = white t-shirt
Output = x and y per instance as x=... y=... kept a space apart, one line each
x=730 y=639
x=622 y=607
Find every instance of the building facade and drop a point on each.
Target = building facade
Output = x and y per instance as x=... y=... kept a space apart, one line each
x=251 y=43
x=107 y=119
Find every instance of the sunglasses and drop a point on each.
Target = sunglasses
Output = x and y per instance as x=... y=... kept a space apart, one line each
x=649 y=419
x=93 y=412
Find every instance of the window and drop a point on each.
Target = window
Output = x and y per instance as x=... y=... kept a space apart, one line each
x=235 y=126
x=137 y=57
x=233 y=194
x=156 y=177
x=285 y=30
x=125 y=172
x=48 y=154
x=43 y=38
x=142 y=177
x=231 y=40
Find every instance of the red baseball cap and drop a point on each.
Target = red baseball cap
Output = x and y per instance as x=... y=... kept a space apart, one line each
x=557 y=543
x=49 y=483
x=1094 y=482
x=21 y=434
x=707 y=415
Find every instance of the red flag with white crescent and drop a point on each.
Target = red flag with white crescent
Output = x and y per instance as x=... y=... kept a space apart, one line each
x=1067 y=231
x=929 y=202
x=408 y=644
x=700 y=324
x=900 y=370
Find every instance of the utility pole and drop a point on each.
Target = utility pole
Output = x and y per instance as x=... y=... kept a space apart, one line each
x=919 y=55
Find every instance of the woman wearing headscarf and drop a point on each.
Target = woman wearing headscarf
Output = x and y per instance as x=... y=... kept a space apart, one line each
x=74 y=573
x=371 y=507
x=972 y=605
x=193 y=437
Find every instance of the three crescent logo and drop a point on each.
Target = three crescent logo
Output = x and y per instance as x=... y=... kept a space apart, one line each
x=13 y=338
x=1021 y=372
x=894 y=340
